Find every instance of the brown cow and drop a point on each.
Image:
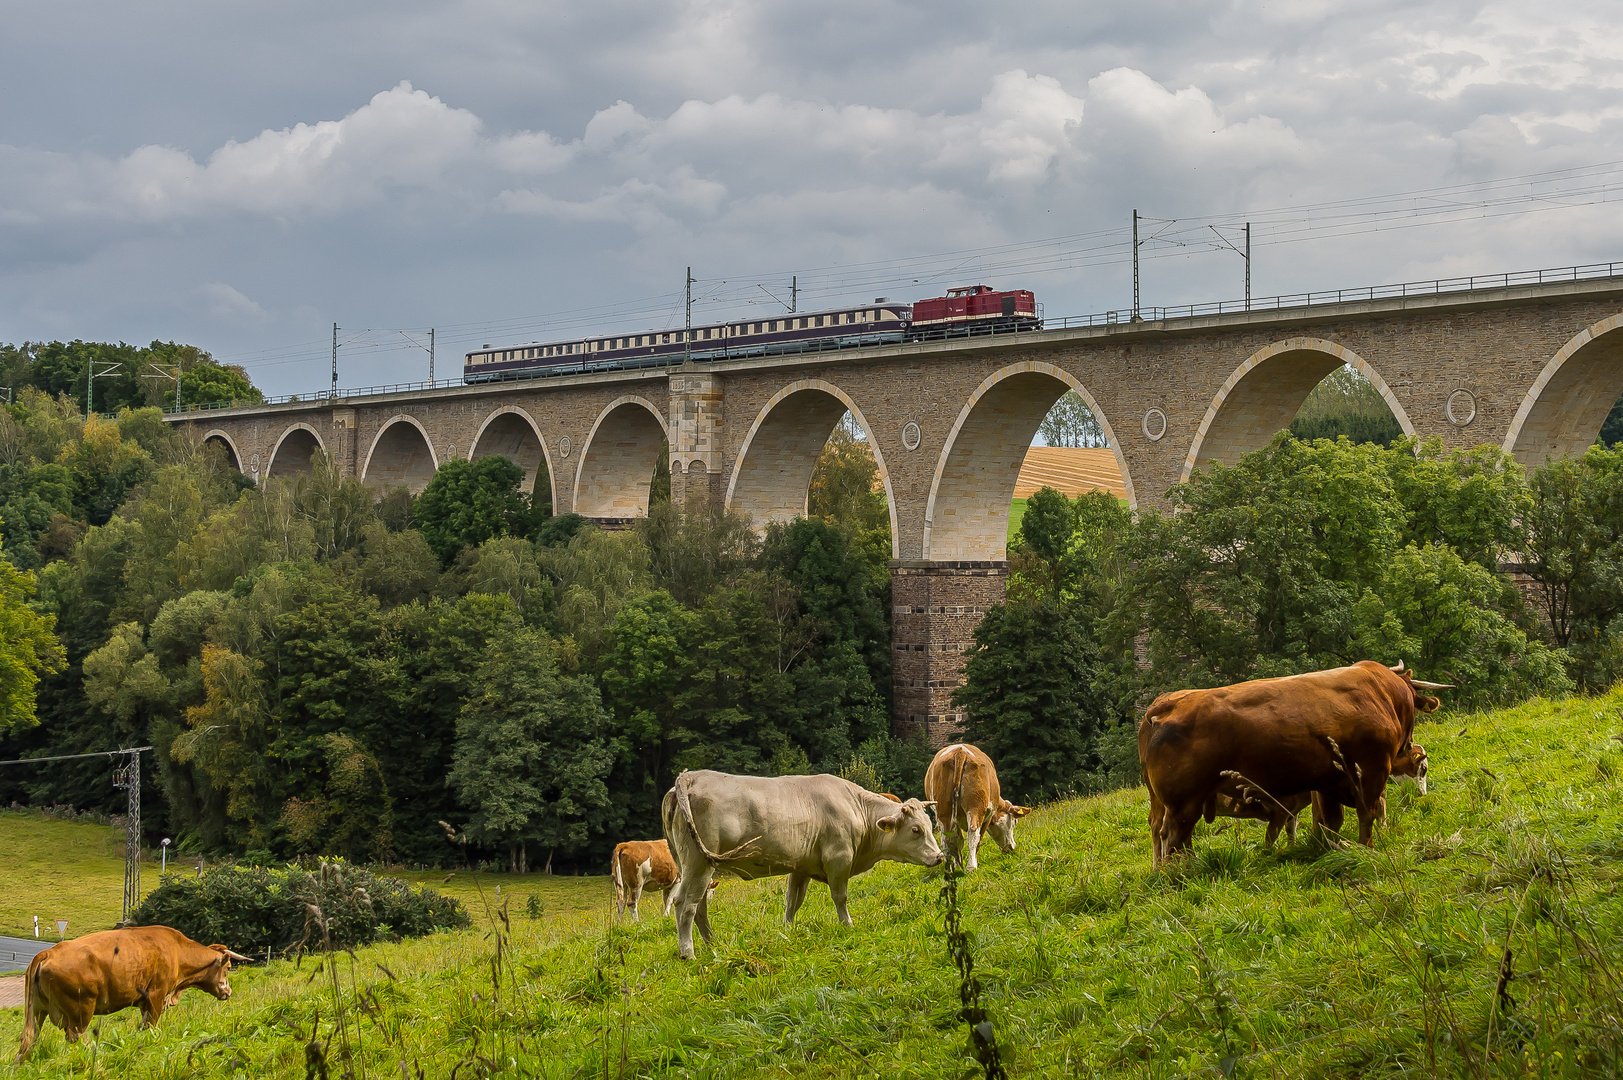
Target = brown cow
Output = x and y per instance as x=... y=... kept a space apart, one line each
x=636 y=863
x=1339 y=732
x=1237 y=800
x=962 y=782
x=145 y=966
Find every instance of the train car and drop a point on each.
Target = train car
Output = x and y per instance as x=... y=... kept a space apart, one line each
x=975 y=309
x=870 y=324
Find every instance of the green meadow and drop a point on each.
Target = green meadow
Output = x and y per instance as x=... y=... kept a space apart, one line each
x=1482 y=937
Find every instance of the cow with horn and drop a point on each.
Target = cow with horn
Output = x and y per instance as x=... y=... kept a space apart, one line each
x=146 y=967
x=1339 y=733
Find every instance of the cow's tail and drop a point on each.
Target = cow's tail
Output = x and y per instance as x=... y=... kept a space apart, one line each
x=685 y=810
x=30 y=1021
x=955 y=800
x=614 y=869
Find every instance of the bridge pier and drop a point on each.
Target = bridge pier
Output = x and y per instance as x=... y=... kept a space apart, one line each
x=935 y=607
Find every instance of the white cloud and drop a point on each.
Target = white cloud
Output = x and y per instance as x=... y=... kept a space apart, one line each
x=226 y=304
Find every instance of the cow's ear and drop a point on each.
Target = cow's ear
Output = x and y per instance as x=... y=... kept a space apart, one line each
x=889 y=822
x=1427 y=703
x=1019 y=811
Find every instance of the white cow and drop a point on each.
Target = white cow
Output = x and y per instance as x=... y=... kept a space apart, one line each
x=807 y=827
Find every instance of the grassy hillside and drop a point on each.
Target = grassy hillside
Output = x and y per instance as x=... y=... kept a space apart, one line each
x=1308 y=961
x=75 y=870
x=70 y=870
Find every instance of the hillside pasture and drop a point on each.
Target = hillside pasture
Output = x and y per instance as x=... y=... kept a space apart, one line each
x=1482 y=937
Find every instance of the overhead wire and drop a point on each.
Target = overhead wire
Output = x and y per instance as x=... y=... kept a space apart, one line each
x=1177 y=237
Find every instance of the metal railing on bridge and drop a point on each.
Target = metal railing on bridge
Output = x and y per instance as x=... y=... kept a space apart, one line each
x=1126 y=316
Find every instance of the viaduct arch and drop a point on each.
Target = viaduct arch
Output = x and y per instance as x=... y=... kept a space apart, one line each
x=294 y=453
x=771 y=479
x=1568 y=402
x=617 y=460
x=401 y=455
x=511 y=432
x=224 y=442
x=967 y=515
x=1264 y=394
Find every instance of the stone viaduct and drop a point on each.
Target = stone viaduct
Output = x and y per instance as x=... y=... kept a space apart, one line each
x=1532 y=368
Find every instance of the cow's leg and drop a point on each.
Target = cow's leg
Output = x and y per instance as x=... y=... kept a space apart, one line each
x=1158 y=812
x=690 y=892
x=702 y=916
x=794 y=894
x=635 y=885
x=1275 y=823
x=1290 y=828
x=1178 y=828
x=838 y=883
x=1328 y=813
x=670 y=896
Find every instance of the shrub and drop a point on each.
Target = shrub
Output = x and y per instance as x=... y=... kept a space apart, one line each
x=261 y=911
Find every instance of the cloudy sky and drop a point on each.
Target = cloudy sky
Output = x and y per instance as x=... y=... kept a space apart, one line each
x=240 y=176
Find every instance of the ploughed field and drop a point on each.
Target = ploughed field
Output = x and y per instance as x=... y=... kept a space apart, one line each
x=1310 y=960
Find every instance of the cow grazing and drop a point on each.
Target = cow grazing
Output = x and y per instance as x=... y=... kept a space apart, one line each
x=1237 y=800
x=962 y=782
x=144 y=966
x=808 y=827
x=1340 y=733
x=636 y=863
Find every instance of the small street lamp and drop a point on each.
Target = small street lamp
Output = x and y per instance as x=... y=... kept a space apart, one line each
x=165 y=864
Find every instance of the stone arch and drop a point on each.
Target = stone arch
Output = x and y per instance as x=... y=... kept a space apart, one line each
x=617 y=463
x=401 y=455
x=967 y=516
x=227 y=444
x=771 y=480
x=513 y=434
x=295 y=452
x=1564 y=409
x=1264 y=394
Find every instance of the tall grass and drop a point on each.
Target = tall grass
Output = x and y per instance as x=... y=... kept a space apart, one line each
x=1482 y=937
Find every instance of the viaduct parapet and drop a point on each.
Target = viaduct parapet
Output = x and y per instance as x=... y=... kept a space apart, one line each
x=1532 y=368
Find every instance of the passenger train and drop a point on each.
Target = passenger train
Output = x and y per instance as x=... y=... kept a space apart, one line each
x=976 y=309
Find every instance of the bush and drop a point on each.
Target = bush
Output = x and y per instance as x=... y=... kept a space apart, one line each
x=262 y=911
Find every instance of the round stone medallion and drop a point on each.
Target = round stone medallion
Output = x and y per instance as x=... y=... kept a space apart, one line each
x=564 y=445
x=911 y=435
x=1461 y=408
x=1155 y=425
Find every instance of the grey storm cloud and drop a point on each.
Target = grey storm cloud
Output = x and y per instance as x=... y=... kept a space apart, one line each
x=241 y=177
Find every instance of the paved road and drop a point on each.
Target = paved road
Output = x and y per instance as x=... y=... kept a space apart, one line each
x=16 y=952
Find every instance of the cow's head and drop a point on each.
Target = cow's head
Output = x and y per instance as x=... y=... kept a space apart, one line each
x=1412 y=762
x=1422 y=702
x=213 y=979
x=1000 y=826
x=908 y=836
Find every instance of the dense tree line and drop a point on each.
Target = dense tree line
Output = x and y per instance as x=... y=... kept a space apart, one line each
x=322 y=670
x=1300 y=556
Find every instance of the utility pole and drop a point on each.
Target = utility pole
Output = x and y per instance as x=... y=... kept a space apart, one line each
x=687 y=333
x=429 y=349
x=334 y=359
x=1135 y=265
x=91 y=375
x=128 y=777
x=794 y=293
x=431 y=330
x=160 y=373
x=1244 y=253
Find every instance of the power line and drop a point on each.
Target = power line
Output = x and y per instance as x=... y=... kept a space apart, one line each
x=1178 y=237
